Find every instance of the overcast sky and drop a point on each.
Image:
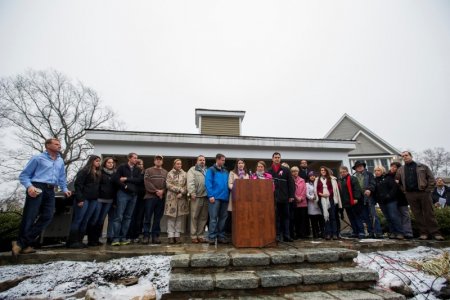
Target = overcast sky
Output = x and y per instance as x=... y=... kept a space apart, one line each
x=295 y=67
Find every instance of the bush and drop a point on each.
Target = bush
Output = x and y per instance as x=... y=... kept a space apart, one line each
x=442 y=217
x=9 y=228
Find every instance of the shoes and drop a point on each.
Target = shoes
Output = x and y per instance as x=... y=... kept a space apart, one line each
x=115 y=243
x=399 y=237
x=336 y=237
x=28 y=250
x=327 y=237
x=94 y=244
x=202 y=240
x=136 y=240
x=177 y=240
x=125 y=242
x=423 y=237
x=223 y=241
x=156 y=240
x=212 y=242
x=194 y=241
x=145 y=240
x=15 y=250
x=438 y=237
x=287 y=239
x=409 y=237
x=171 y=240
x=76 y=245
x=379 y=236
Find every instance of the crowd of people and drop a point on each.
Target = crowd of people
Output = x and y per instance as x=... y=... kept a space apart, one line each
x=307 y=204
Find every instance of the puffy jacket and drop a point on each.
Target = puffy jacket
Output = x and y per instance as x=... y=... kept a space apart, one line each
x=216 y=182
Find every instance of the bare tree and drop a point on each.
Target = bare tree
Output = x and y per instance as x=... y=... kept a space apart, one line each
x=43 y=104
x=437 y=159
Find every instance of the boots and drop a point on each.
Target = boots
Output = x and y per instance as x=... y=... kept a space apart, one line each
x=73 y=241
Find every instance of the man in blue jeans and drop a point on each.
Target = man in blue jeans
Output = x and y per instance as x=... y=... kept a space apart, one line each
x=41 y=175
x=127 y=177
x=154 y=200
x=216 y=182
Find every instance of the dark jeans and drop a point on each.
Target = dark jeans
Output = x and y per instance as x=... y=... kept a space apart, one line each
x=122 y=216
x=82 y=216
x=153 y=208
x=390 y=211
x=98 y=220
x=282 y=218
x=218 y=213
x=317 y=225
x=137 y=220
x=354 y=216
x=370 y=217
x=330 y=225
x=302 y=228
x=37 y=215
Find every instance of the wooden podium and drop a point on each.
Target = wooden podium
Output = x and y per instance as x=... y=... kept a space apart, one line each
x=253 y=213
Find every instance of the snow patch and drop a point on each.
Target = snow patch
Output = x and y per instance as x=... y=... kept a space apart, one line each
x=392 y=267
x=63 y=278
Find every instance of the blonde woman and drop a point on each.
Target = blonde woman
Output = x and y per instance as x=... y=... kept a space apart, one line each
x=177 y=206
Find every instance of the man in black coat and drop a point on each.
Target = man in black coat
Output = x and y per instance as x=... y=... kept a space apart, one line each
x=284 y=193
x=127 y=178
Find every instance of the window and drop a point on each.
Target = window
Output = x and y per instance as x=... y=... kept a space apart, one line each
x=385 y=163
x=370 y=165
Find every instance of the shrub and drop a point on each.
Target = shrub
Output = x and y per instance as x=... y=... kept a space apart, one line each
x=9 y=228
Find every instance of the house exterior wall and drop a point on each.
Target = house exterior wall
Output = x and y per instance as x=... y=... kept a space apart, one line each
x=220 y=125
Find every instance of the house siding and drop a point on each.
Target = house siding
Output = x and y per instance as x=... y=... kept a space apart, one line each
x=220 y=126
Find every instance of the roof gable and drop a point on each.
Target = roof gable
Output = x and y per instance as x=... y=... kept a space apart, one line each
x=368 y=142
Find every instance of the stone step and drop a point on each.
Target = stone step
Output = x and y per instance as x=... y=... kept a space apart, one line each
x=369 y=294
x=269 y=281
x=260 y=258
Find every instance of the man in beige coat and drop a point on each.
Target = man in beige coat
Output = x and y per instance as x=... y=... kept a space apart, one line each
x=198 y=198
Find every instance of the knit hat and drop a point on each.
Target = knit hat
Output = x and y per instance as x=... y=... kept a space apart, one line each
x=311 y=173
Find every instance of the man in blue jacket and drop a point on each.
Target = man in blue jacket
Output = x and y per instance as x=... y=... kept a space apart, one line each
x=41 y=175
x=216 y=182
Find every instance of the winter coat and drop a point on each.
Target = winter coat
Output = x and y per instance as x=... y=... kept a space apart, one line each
x=196 y=181
x=107 y=188
x=284 y=184
x=313 y=206
x=300 y=192
x=435 y=195
x=231 y=178
x=386 y=189
x=369 y=184
x=345 y=193
x=86 y=186
x=176 y=184
x=133 y=178
x=216 y=182
x=324 y=201
x=425 y=177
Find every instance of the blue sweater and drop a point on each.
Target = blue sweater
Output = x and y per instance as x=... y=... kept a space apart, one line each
x=216 y=182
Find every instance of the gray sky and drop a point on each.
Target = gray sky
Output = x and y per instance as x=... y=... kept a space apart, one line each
x=294 y=66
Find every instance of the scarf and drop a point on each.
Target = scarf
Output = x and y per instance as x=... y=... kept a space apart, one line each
x=350 y=191
x=241 y=174
x=276 y=168
x=260 y=175
x=108 y=171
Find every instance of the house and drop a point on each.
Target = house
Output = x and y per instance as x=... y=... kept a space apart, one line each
x=219 y=132
x=369 y=147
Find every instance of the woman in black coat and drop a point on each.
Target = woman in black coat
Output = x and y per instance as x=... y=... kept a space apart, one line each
x=85 y=203
x=386 y=191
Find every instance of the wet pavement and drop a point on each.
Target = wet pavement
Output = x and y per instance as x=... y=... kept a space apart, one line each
x=107 y=252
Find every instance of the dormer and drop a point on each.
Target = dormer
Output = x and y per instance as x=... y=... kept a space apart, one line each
x=219 y=122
